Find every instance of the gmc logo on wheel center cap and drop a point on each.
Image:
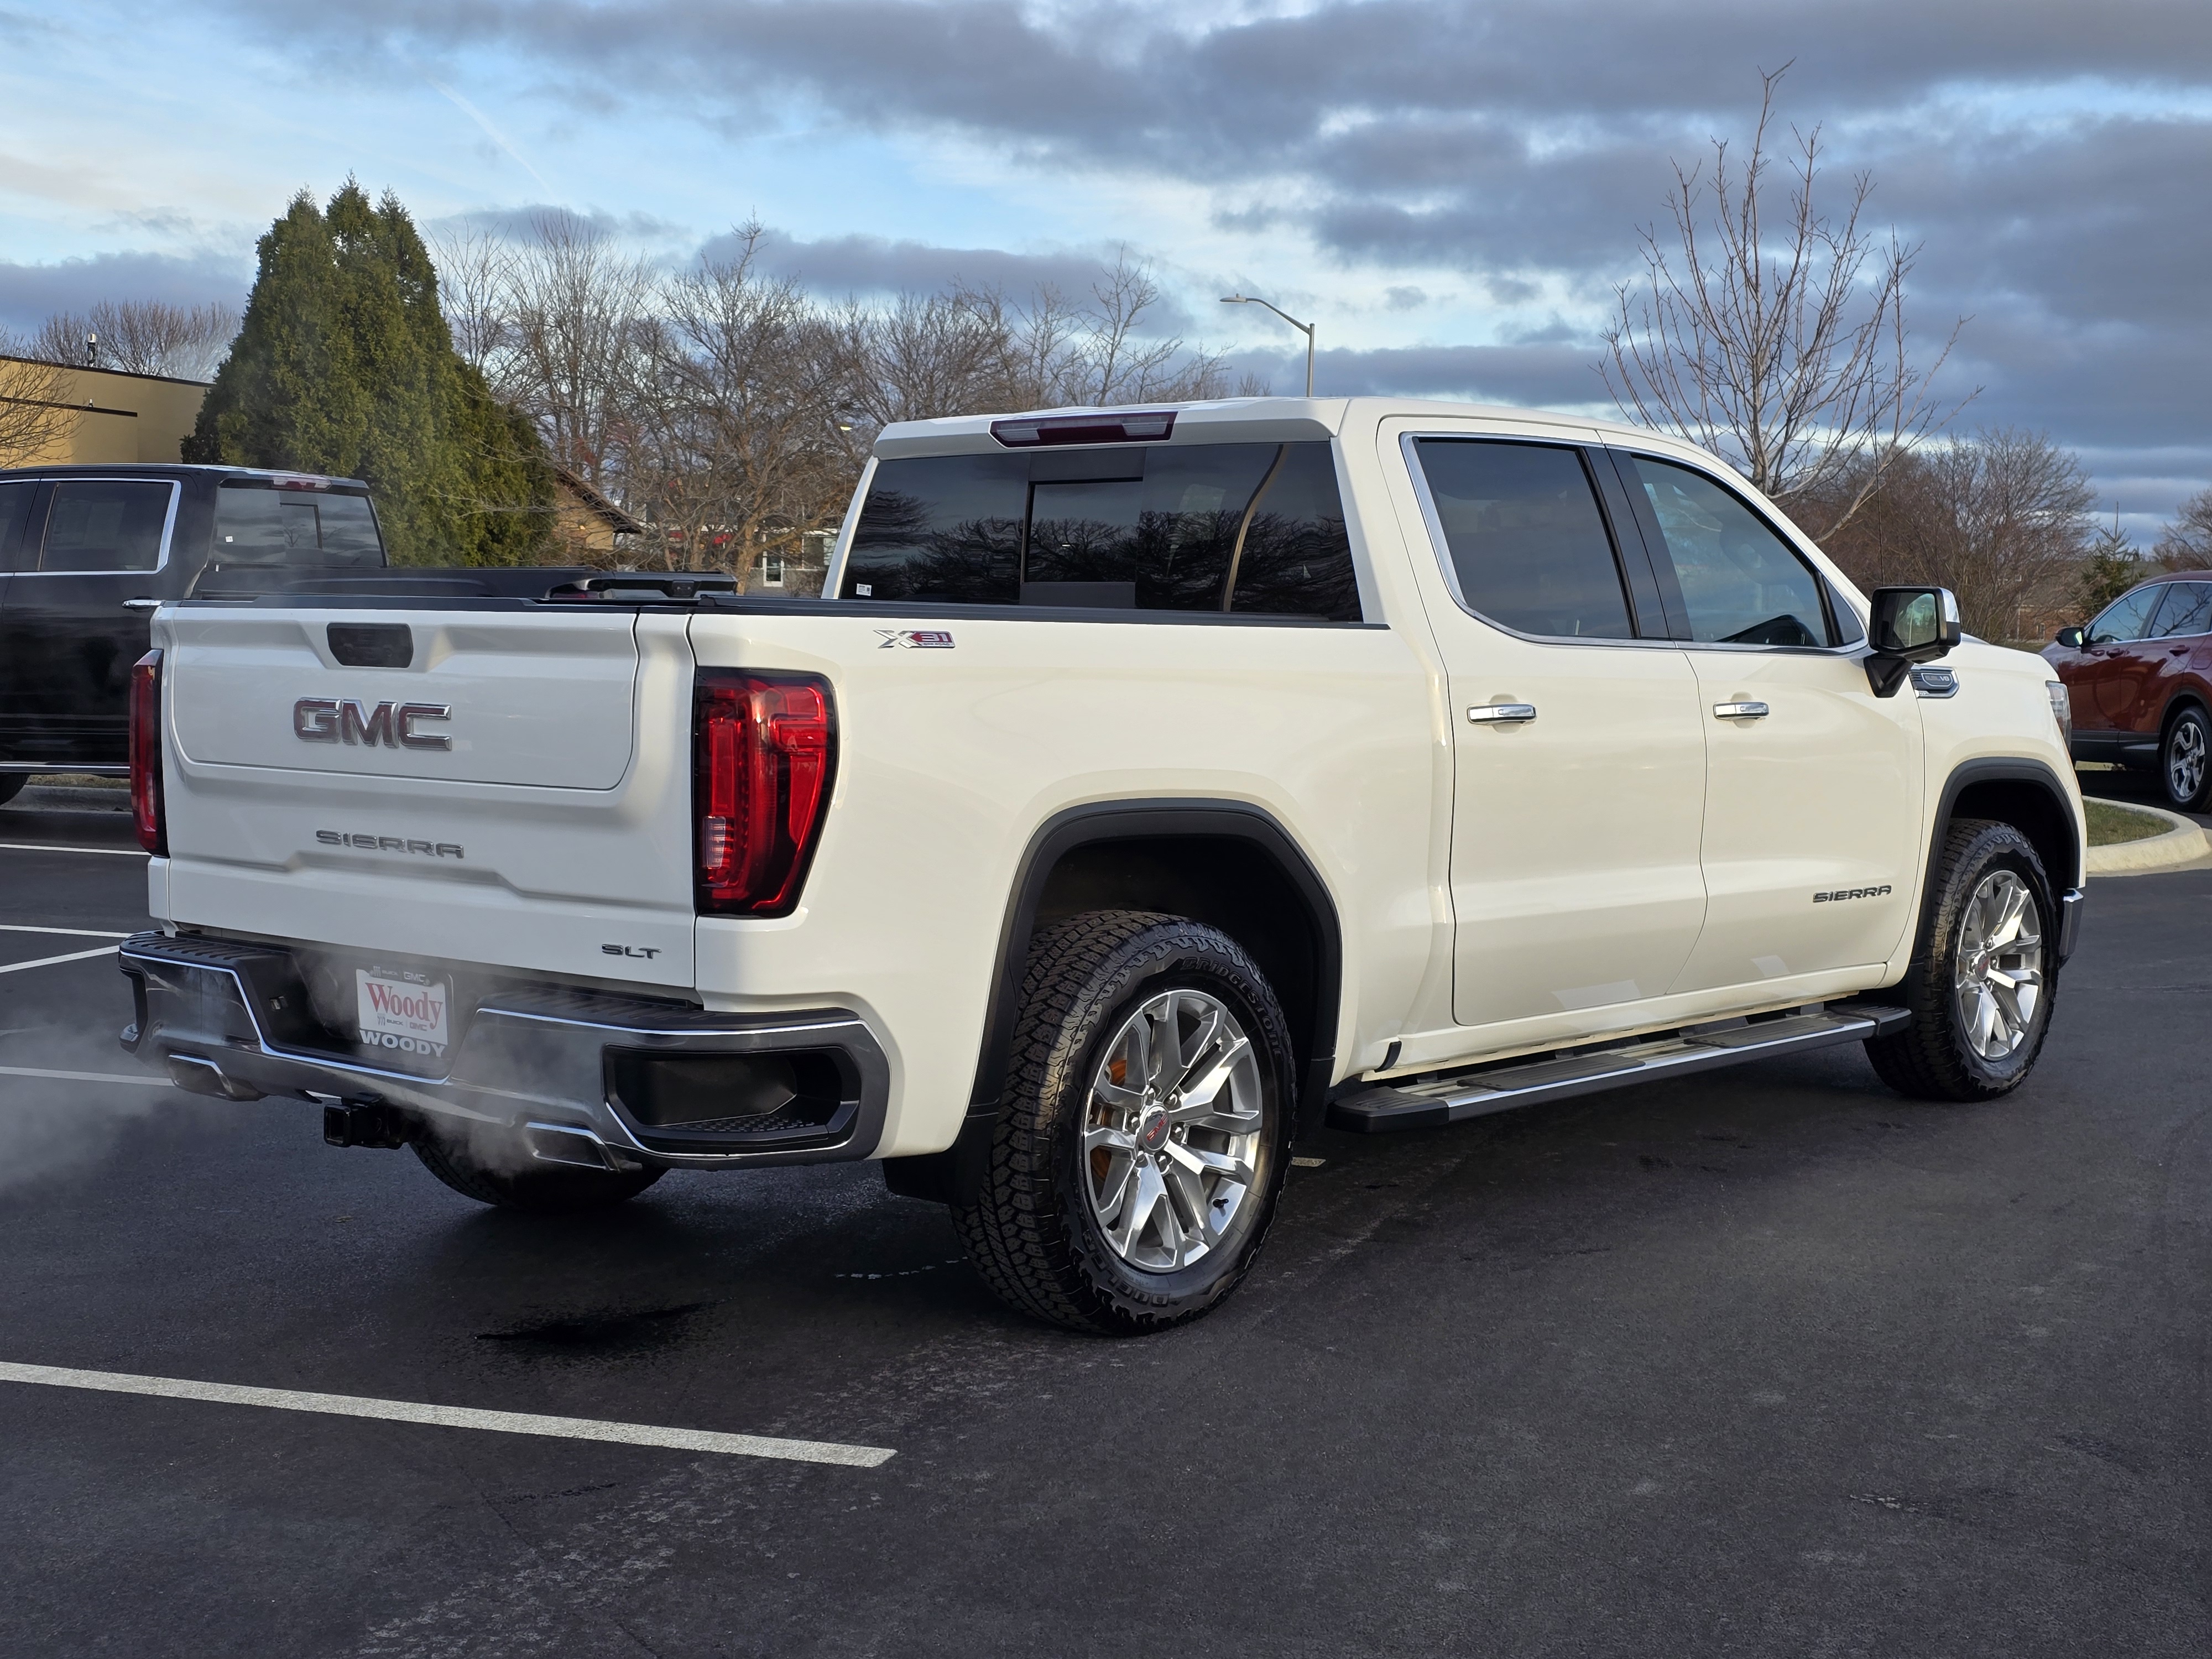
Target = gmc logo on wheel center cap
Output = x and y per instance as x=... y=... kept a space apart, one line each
x=333 y=719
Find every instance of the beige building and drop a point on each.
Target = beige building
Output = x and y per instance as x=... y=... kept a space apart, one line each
x=116 y=416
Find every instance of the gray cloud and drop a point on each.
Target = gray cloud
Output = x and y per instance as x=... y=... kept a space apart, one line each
x=29 y=293
x=1519 y=144
x=860 y=265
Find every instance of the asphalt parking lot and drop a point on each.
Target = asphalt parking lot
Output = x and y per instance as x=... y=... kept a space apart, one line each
x=1770 y=1362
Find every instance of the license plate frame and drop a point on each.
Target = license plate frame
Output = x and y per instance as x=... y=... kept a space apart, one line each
x=405 y=1016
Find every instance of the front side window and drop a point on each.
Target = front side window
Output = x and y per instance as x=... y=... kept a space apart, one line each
x=2125 y=618
x=1741 y=583
x=1527 y=540
x=105 y=524
x=257 y=524
x=2187 y=610
x=1237 y=527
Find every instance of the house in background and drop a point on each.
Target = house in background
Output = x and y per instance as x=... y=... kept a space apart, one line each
x=120 y=417
x=587 y=527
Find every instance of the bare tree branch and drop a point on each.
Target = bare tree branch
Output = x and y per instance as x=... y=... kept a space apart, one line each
x=1780 y=346
x=141 y=337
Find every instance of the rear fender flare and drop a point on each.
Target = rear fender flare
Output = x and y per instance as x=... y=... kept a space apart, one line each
x=1141 y=820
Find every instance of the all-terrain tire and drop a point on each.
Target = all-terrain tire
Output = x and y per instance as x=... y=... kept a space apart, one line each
x=495 y=1169
x=1033 y=1230
x=1935 y=1058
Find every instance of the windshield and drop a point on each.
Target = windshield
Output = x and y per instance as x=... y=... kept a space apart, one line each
x=258 y=525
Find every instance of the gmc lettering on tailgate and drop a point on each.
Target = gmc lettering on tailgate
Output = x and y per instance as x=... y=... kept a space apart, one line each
x=333 y=719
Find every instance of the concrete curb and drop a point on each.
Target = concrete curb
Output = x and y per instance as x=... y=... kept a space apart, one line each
x=2183 y=844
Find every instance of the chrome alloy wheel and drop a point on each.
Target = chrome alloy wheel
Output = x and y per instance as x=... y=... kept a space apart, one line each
x=2184 y=761
x=1170 y=1131
x=1999 y=975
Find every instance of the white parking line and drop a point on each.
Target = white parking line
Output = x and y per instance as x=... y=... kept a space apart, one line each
x=454 y=1417
x=48 y=961
x=143 y=1080
x=108 y=852
x=74 y=933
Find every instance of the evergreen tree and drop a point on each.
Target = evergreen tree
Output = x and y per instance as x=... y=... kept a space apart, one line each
x=345 y=365
x=2111 y=566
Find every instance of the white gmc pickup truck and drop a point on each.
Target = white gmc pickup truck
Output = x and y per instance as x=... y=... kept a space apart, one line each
x=1149 y=786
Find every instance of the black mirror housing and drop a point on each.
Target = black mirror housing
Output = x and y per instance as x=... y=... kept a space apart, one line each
x=1904 y=626
x=2069 y=637
x=1916 y=624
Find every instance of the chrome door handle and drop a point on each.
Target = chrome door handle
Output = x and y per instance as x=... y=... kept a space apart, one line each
x=1502 y=713
x=141 y=604
x=1739 y=711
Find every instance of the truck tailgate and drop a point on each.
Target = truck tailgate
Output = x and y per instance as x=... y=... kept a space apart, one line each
x=490 y=801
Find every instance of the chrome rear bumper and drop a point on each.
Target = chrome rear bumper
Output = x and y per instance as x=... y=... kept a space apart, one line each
x=230 y=1018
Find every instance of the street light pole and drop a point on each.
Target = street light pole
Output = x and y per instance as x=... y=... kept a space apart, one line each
x=1306 y=328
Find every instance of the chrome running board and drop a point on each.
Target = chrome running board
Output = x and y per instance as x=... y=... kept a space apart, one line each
x=1450 y=1097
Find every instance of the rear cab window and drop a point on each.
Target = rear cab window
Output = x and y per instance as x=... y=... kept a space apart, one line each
x=1245 y=528
x=260 y=523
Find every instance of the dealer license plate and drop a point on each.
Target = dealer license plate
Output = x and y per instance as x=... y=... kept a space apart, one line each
x=408 y=1015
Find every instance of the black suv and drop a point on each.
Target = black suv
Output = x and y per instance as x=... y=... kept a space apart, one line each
x=87 y=552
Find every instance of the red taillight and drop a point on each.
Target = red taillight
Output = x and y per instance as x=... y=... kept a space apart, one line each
x=146 y=754
x=765 y=749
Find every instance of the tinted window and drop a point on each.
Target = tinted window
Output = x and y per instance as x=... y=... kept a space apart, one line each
x=945 y=527
x=1741 y=583
x=1527 y=540
x=2125 y=618
x=105 y=524
x=2187 y=610
x=1259 y=526
x=15 y=502
x=257 y=526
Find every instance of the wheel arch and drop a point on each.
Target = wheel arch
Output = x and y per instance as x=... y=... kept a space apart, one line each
x=2187 y=697
x=2024 y=794
x=1225 y=863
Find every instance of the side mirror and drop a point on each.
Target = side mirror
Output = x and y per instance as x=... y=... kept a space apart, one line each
x=2070 y=638
x=1908 y=625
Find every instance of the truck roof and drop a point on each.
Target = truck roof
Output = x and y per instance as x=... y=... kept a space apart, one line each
x=168 y=469
x=1249 y=420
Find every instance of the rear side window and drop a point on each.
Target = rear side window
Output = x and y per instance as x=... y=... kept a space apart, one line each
x=1741 y=583
x=1527 y=543
x=105 y=524
x=2187 y=610
x=257 y=524
x=1241 y=527
x=2125 y=619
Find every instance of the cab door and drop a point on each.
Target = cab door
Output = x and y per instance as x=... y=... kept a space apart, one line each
x=92 y=565
x=1578 y=756
x=2179 y=646
x=2105 y=677
x=1811 y=841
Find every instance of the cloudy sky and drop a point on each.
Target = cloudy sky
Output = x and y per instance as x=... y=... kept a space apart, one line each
x=1450 y=187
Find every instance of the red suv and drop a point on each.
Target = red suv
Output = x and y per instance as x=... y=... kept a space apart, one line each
x=2140 y=676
